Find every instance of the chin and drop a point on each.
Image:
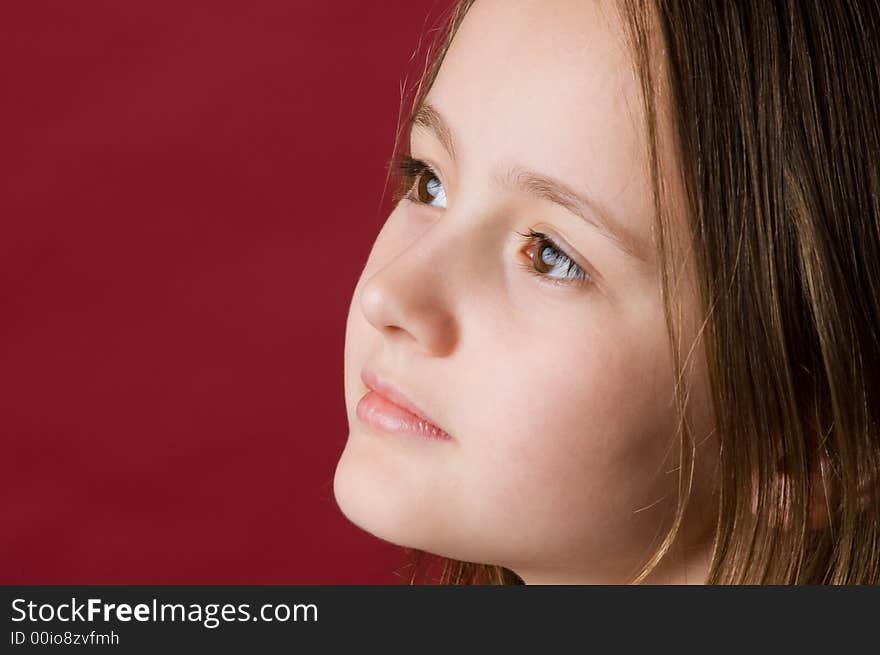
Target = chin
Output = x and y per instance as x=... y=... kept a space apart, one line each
x=371 y=499
x=374 y=496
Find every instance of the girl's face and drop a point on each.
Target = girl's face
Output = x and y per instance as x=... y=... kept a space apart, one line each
x=545 y=359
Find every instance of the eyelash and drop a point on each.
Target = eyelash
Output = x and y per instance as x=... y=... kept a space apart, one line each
x=410 y=171
x=573 y=274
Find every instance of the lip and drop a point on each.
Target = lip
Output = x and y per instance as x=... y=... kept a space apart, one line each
x=388 y=409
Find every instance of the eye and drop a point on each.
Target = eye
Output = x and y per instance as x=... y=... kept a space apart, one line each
x=548 y=261
x=418 y=183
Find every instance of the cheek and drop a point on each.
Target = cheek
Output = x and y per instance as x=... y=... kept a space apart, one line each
x=575 y=429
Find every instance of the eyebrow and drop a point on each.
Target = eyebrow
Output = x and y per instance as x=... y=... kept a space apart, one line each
x=540 y=186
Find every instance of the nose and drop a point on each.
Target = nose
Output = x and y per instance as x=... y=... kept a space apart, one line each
x=409 y=299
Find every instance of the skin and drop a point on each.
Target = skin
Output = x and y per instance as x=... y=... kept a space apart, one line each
x=558 y=397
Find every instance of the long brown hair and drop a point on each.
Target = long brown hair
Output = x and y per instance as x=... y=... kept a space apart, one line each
x=776 y=116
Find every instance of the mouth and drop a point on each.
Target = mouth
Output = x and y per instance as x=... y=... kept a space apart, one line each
x=384 y=407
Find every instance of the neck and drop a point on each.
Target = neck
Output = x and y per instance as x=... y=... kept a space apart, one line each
x=680 y=566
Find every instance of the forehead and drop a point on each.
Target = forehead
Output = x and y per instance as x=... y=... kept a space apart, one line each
x=550 y=85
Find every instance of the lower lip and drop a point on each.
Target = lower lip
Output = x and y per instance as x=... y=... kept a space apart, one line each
x=379 y=412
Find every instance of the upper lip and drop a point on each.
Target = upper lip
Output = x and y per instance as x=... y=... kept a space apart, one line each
x=385 y=388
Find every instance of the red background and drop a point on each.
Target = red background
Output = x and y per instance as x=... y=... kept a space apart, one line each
x=188 y=192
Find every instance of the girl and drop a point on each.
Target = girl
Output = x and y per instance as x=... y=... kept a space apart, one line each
x=622 y=323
